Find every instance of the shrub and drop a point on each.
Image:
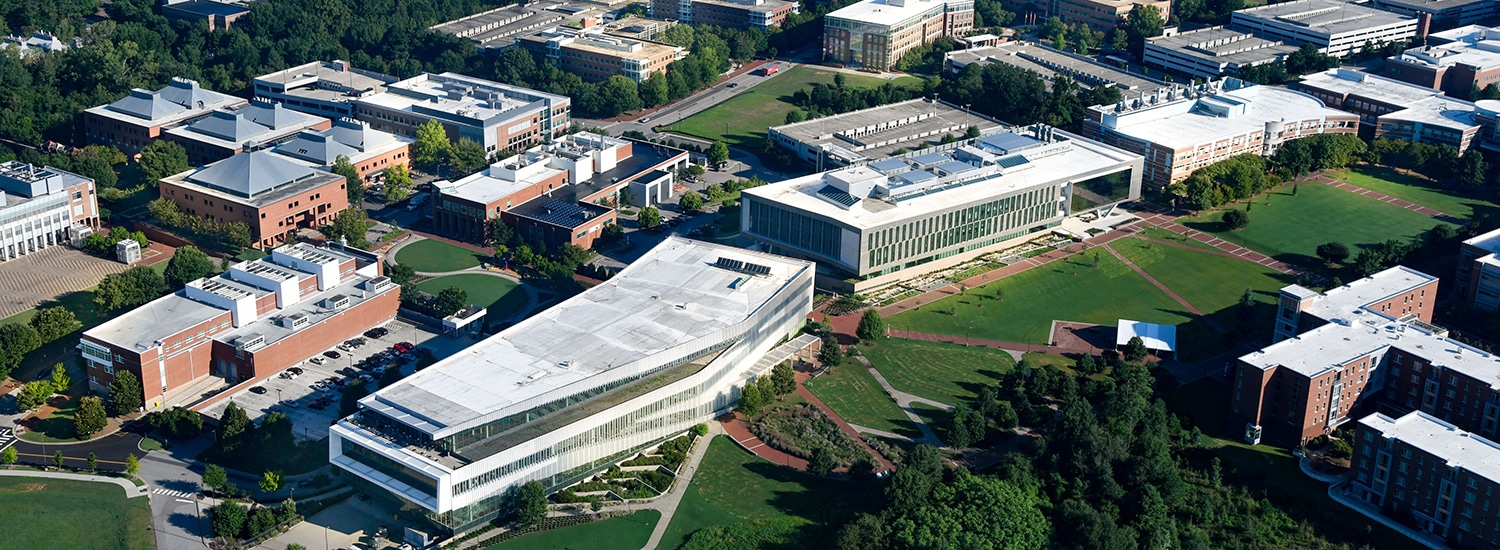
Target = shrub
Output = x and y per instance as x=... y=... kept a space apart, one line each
x=801 y=429
x=1235 y=218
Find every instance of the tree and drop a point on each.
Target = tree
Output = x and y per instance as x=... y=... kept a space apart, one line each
x=270 y=481
x=125 y=393
x=132 y=464
x=93 y=462
x=399 y=273
x=287 y=510
x=1333 y=252
x=973 y=512
x=187 y=265
x=354 y=185
x=467 y=157
x=57 y=459
x=531 y=503
x=690 y=200
x=784 y=378
x=90 y=417
x=34 y=394
x=751 y=399
x=261 y=520
x=1143 y=21
x=718 y=153
x=15 y=342
x=9 y=456
x=830 y=355
x=1135 y=350
x=349 y=401
x=871 y=326
x=451 y=300
x=228 y=518
x=214 y=477
x=619 y=94
x=1086 y=364
x=822 y=462
x=1235 y=219
x=398 y=184
x=1472 y=170
x=863 y=468
x=54 y=322
x=130 y=288
x=162 y=158
x=60 y=379
x=349 y=226
x=432 y=146
x=958 y=429
x=234 y=428
x=649 y=217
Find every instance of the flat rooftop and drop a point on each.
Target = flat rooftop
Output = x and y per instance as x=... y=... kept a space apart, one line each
x=1327 y=347
x=1049 y=62
x=925 y=182
x=334 y=81
x=1224 y=45
x=310 y=307
x=1195 y=117
x=1355 y=295
x=850 y=130
x=670 y=297
x=1489 y=242
x=500 y=27
x=1423 y=104
x=760 y=6
x=887 y=12
x=1457 y=448
x=1473 y=46
x=161 y=318
x=1331 y=17
x=453 y=96
x=601 y=43
x=1432 y=6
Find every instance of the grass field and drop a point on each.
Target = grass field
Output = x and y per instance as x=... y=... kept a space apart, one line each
x=434 y=256
x=1070 y=290
x=1417 y=189
x=938 y=420
x=733 y=486
x=852 y=392
x=945 y=373
x=1160 y=234
x=1212 y=283
x=57 y=427
x=41 y=513
x=1290 y=228
x=624 y=533
x=744 y=118
x=503 y=297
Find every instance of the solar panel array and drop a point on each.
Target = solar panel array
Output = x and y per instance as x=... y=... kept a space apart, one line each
x=565 y=214
x=742 y=266
x=1012 y=161
x=838 y=195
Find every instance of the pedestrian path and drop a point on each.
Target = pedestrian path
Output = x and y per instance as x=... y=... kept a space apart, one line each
x=131 y=490
x=997 y=344
x=904 y=400
x=7 y=437
x=1414 y=207
x=1164 y=288
x=885 y=463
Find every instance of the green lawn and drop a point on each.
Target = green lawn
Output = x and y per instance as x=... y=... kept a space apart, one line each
x=503 y=297
x=733 y=486
x=434 y=256
x=852 y=392
x=1168 y=236
x=938 y=420
x=744 y=118
x=57 y=427
x=1290 y=228
x=1070 y=290
x=622 y=533
x=42 y=513
x=1417 y=189
x=1212 y=283
x=946 y=373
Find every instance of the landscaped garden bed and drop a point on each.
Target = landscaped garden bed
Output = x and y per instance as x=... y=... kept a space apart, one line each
x=801 y=429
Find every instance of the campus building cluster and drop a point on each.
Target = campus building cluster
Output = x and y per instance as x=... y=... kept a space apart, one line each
x=1049 y=63
x=497 y=116
x=258 y=125
x=1181 y=129
x=734 y=14
x=1459 y=61
x=1102 y=15
x=876 y=224
x=41 y=206
x=1437 y=476
x=1212 y=51
x=874 y=34
x=274 y=195
x=664 y=344
x=1398 y=110
x=323 y=88
x=594 y=54
x=859 y=136
x=1337 y=28
x=237 y=328
x=134 y=121
x=561 y=192
x=1443 y=14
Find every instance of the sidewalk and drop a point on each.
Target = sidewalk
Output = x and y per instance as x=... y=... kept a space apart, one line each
x=1414 y=207
x=131 y=490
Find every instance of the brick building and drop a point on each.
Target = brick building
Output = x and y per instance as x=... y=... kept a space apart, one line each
x=1394 y=109
x=734 y=14
x=227 y=132
x=134 y=121
x=237 y=328
x=595 y=55
x=1103 y=15
x=274 y=195
x=42 y=207
x=875 y=34
x=1458 y=62
x=371 y=151
x=498 y=116
x=1432 y=474
x=214 y=13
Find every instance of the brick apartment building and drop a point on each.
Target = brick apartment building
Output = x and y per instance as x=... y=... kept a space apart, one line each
x=274 y=195
x=237 y=328
x=134 y=121
x=1431 y=474
x=228 y=132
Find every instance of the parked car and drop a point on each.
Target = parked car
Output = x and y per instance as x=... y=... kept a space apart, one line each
x=346 y=371
x=367 y=378
x=291 y=404
x=316 y=361
x=374 y=333
x=331 y=354
x=296 y=370
x=257 y=390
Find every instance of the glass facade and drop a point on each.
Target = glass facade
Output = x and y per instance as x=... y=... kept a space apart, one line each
x=926 y=239
x=794 y=229
x=396 y=470
x=1101 y=190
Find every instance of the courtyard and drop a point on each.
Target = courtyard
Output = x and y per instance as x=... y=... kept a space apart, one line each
x=502 y=296
x=434 y=256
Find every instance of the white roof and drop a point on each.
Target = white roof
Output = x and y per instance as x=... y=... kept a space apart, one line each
x=1457 y=448
x=888 y=12
x=1156 y=337
x=1324 y=16
x=671 y=297
x=1188 y=122
x=1344 y=300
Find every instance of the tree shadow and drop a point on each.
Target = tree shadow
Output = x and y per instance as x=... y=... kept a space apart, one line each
x=180 y=485
x=191 y=524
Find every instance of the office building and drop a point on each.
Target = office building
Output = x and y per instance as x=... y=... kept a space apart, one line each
x=1459 y=62
x=877 y=224
x=1440 y=477
x=274 y=195
x=134 y=121
x=594 y=55
x=878 y=132
x=322 y=88
x=371 y=151
x=1336 y=28
x=1102 y=15
x=216 y=14
x=1182 y=129
x=664 y=344
x=1212 y=51
x=1477 y=283
x=1445 y=14
x=562 y=192
x=232 y=330
x=734 y=14
x=498 y=116
x=874 y=34
x=639 y=28
x=41 y=206
x=1396 y=109
x=1049 y=63
x=227 y=132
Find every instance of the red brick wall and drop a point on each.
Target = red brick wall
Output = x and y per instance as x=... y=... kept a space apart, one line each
x=400 y=156
x=1418 y=302
x=129 y=138
x=314 y=339
x=312 y=208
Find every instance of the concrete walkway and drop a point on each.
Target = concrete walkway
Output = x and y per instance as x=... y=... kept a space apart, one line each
x=131 y=490
x=882 y=433
x=1306 y=465
x=1336 y=492
x=667 y=504
x=904 y=400
x=1164 y=288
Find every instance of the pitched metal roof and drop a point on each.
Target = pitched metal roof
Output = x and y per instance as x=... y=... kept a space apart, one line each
x=250 y=174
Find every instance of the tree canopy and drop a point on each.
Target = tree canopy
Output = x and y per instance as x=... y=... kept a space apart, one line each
x=188 y=264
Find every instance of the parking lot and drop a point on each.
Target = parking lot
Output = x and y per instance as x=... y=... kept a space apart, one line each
x=296 y=397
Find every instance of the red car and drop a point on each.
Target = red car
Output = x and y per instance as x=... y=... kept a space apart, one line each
x=402 y=347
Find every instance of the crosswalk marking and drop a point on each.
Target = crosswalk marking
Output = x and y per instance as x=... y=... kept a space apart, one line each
x=169 y=492
x=7 y=437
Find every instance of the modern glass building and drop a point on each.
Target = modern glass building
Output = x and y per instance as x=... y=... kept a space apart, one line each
x=664 y=345
x=874 y=224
